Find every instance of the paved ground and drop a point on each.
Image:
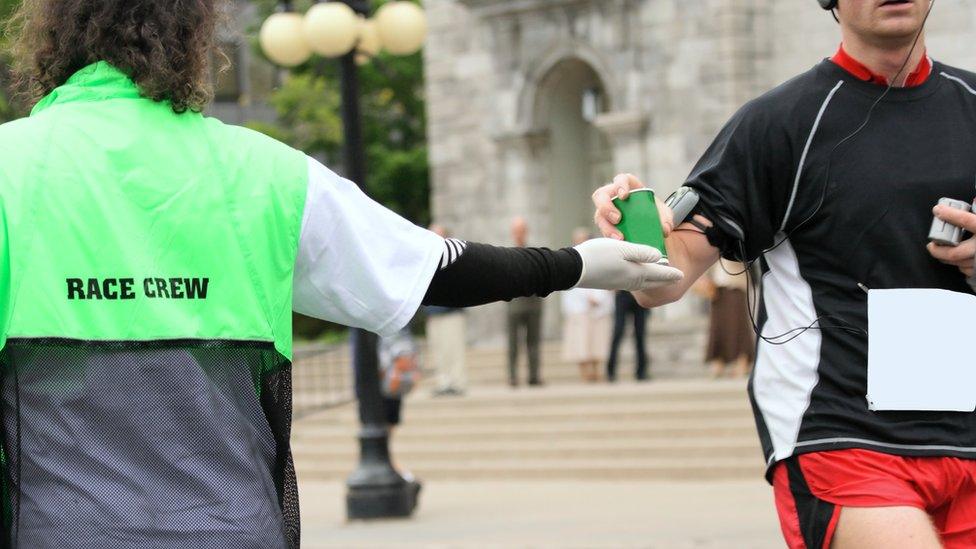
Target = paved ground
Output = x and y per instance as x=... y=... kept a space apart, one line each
x=551 y=515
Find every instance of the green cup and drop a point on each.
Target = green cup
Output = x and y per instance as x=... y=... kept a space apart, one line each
x=640 y=222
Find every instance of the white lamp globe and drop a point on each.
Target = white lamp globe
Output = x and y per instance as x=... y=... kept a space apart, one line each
x=402 y=27
x=369 y=40
x=283 y=41
x=331 y=29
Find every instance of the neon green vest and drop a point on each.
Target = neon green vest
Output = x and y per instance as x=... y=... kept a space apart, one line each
x=146 y=264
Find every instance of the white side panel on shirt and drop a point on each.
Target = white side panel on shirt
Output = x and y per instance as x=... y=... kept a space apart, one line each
x=359 y=264
x=785 y=375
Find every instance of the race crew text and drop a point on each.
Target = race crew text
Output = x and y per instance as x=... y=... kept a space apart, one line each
x=114 y=289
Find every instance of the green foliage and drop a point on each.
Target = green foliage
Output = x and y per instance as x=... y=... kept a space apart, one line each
x=394 y=122
x=308 y=113
x=398 y=179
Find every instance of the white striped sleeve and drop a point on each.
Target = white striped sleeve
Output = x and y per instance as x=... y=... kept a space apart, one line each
x=359 y=264
x=453 y=248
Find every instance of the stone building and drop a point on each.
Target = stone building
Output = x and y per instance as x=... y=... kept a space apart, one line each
x=534 y=103
x=241 y=93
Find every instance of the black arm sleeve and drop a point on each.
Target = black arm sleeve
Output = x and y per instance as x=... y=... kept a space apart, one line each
x=484 y=274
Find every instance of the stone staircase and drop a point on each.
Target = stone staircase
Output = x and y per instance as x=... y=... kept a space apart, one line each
x=679 y=426
x=676 y=351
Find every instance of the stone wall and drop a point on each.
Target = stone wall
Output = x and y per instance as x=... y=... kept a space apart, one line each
x=673 y=71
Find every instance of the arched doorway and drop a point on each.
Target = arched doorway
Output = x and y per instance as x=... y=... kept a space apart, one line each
x=578 y=157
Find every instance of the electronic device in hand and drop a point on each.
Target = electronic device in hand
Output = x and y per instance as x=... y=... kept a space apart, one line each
x=944 y=233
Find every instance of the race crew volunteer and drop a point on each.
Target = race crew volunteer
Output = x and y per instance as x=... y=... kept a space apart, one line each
x=829 y=205
x=150 y=260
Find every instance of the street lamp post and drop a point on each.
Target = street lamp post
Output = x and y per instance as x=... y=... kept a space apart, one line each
x=339 y=29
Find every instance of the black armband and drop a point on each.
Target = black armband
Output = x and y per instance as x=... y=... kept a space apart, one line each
x=482 y=274
x=698 y=224
x=719 y=238
x=720 y=234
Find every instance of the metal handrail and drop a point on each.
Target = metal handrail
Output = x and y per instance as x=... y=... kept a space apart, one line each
x=322 y=378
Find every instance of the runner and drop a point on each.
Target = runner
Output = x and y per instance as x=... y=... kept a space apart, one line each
x=829 y=182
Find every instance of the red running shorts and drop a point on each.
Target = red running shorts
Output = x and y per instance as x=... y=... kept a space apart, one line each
x=811 y=489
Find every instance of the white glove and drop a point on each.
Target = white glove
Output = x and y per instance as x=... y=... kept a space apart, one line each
x=610 y=264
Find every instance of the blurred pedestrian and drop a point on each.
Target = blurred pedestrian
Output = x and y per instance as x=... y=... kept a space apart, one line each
x=446 y=338
x=626 y=306
x=524 y=319
x=399 y=360
x=731 y=339
x=587 y=321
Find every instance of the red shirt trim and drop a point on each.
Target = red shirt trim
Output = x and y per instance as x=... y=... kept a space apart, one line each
x=861 y=72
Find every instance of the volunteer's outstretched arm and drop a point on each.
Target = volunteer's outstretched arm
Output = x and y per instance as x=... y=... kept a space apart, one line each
x=359 y=264
x=474 y=274
x=688 y=249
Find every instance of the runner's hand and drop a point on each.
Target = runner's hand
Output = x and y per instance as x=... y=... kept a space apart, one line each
x=613 y=265
x=962 y=256
x=607 y=215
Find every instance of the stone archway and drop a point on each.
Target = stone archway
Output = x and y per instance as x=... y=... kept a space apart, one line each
x=576 y=157
x=573 y=158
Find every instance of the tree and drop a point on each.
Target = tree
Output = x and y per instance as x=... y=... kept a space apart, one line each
x=394 y=122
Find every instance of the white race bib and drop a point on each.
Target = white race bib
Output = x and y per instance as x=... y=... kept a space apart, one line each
x=920 y=350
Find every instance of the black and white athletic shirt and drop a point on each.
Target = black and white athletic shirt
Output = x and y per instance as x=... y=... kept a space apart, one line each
x=766 y=173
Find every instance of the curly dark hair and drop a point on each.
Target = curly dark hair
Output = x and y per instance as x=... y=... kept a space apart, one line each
x=165 y=46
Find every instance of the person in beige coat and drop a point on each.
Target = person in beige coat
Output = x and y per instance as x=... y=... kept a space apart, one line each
x=587 y=324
